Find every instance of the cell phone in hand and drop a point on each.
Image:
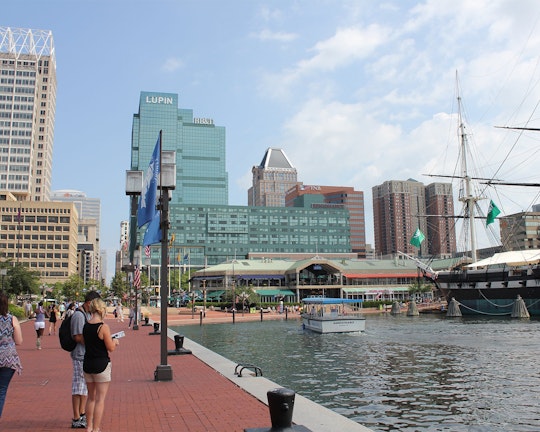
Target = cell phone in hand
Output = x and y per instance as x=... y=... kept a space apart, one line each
x=118 y=335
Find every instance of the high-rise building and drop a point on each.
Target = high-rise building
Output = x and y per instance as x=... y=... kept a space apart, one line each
x=521 y=230
x=89 y=211
x=272 y=178
x=201 y=176
x=401 y=207
x=88 y=208
x=204 y=229
x=441 y=228
x=41 y=235
x=347 y=197
x=27 y=111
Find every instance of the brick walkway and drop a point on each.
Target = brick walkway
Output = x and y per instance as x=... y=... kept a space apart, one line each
x=198 y=398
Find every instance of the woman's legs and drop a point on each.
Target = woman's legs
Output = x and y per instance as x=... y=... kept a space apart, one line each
x=90 y=403
x=101 y=390
x=39 y=333
x=5 y=377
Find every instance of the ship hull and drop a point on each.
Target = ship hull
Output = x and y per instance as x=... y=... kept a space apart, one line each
x=491 y=291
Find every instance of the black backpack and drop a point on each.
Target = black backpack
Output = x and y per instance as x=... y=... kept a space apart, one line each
x=64 y=333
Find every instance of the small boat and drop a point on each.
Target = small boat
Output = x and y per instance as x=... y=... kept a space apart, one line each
x=332 y=315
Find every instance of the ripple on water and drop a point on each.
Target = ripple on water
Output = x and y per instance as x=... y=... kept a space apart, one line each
x=422 y=373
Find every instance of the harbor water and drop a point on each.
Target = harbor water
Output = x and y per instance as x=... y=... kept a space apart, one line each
x=425 y=373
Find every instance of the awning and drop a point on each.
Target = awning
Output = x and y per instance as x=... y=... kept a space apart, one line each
x=375 y=290
x=206 y=277
x=275 y=293
x=513 y=258
x=379 y=275
x=214 y=294
x=256 y=276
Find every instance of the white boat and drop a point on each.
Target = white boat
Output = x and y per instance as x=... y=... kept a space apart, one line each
x=332 y=315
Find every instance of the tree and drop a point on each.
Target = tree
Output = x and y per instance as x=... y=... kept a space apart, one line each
x=21 y=280
x=119 y=285
x=418 y=287
x=73 y=288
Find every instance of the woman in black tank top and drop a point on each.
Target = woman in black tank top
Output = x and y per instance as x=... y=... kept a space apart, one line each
x=97 y=364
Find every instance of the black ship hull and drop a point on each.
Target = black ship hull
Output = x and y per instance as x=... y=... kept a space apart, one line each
x=492 y=291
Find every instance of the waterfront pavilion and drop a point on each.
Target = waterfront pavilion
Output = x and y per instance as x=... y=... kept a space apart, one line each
x=293 y=280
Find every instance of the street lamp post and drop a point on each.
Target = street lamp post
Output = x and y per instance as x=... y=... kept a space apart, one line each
x=134 y=184
x=167 y=182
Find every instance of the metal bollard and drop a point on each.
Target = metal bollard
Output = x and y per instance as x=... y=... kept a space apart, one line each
x=281 y=406
x=179 y=346
x=178 y=342
x=156 y=329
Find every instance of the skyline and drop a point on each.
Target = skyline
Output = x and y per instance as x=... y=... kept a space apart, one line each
x=364 y=89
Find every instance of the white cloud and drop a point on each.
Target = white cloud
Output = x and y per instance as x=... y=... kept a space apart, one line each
x=172 y=64
x=268 y=35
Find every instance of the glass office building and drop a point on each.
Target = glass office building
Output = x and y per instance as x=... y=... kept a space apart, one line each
x=203 y=227
x=219 y=233
x=201 y=177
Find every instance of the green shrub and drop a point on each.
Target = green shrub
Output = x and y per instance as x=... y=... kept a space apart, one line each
x=16 y=310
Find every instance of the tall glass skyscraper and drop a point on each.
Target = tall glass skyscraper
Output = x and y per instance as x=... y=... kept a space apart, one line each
x=27 y=110
x=201 y=177
x=204 y=229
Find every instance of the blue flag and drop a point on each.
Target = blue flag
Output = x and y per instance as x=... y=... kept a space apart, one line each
x=153 y=231
x=149 y=196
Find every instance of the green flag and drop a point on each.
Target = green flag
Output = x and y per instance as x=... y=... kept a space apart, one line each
x=417 y=238
x=492 y=213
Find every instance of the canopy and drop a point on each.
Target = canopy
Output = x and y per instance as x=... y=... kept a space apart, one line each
x=261 y=276
x=412 y=273
x=275 y=293
x=512 y=258
x=327 y=300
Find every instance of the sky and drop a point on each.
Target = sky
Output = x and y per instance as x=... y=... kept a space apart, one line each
x=356 y=92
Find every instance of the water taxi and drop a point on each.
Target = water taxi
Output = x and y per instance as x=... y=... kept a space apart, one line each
x=332 y=315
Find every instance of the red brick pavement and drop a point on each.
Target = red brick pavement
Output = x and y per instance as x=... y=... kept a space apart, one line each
x=197 y=399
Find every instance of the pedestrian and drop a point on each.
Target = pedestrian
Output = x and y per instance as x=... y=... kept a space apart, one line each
x=70 y=309
x=97 y=363
x=53 y=315
x=79 y=391
x=28 y=310
x=39 y=324
x=62 y=310
x=10 y=335
x=119 y=312
x=131 y=316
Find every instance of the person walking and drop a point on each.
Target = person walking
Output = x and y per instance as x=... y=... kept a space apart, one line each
x=97 y=363
x=10 y=335
x=62 y=310
x=39 y=324
x=79 y=391
x=53 y=317
x=119 y=312
x=131 y=316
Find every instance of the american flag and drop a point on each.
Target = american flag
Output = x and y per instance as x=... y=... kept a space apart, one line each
x=147 y=250
x=137 y=277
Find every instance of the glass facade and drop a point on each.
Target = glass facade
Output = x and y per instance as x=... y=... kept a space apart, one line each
x=201 y=177
x=203 y=227
x=220 y=233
